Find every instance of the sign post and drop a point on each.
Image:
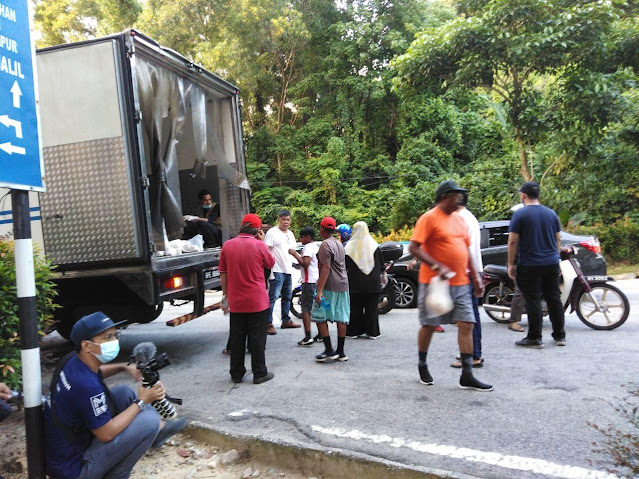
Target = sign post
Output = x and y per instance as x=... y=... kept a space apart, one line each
x=21 y=170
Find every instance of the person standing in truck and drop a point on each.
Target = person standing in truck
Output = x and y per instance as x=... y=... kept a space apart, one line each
x=205 y=223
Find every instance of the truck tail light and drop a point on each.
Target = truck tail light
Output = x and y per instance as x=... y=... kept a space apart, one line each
x=176 y=282
x=591 y=245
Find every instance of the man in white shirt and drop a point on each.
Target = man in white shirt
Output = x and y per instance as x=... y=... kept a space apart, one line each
x=310 y=275
x=281 y=241
x=474 y=250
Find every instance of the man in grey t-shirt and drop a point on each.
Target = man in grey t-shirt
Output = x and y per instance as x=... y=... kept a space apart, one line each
x=332 y=299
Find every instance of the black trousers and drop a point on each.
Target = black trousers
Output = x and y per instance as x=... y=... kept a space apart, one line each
x=364 y=314
x=211 y=233
x=252 y=326
x=535 y=282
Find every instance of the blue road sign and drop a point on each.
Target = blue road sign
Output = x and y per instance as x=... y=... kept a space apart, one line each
x=20 y=155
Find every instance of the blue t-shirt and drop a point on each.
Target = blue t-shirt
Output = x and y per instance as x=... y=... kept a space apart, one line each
x=537 y=226
x=81 y=405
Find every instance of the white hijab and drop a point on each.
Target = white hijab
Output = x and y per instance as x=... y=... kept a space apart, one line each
x=361 y=247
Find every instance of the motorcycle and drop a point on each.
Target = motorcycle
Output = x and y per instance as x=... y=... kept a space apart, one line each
x=598 y=304
x=386 y=297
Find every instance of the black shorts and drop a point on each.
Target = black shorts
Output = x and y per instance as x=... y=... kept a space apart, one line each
x=308 y=296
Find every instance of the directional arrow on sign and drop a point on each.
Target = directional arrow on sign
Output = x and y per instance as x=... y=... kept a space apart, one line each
x=11 y=149
x=8 y=122
x=17 y=93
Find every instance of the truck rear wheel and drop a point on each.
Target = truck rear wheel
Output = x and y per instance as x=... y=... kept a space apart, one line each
x=149 y=313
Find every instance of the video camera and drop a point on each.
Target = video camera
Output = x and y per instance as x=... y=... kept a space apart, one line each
x=145 y=359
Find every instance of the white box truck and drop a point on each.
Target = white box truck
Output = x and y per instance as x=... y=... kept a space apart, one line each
x=131 y=131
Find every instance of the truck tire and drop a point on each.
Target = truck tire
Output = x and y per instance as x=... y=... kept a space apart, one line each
x=149 y=313
x=64 y=325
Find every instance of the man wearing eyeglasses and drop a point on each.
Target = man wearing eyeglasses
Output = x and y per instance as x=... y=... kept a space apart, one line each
x=92 y=431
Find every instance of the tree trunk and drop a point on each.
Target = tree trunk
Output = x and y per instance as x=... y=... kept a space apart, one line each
x=523 y=156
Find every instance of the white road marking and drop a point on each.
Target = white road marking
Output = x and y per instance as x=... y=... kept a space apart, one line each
x=538 y=466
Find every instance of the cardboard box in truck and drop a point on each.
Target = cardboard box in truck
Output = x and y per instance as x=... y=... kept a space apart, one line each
x=131 y=132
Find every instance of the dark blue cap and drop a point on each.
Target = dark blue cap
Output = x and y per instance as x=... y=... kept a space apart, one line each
x=91 y=325
x=530 y=188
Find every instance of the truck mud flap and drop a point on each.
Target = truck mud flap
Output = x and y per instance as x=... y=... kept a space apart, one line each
x=191 y=316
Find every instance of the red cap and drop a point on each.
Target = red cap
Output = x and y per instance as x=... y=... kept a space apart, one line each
x=252 y=220
x=328 y=223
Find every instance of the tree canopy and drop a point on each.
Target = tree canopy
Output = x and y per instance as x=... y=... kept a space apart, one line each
x=359 y=108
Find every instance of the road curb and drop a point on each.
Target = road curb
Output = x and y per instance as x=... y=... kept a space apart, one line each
x=314 y=460
x=619 y=277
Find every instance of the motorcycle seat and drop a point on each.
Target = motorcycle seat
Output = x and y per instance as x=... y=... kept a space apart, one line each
x=496 y=270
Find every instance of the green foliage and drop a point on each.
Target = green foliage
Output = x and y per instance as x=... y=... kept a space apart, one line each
x=10 y=367
x=619 y=240
x=620 y=444
x=358 y=109
x=62 y=21
x=508 y=47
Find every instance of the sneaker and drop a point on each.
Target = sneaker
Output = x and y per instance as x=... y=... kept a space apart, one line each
x=263 y=379
x=237 y=380
x=530 y=343
x=560 y=342
x=372 y=337
x=318 y=338
x=353 y=337
x=325 y=356
x=341 y=357
x=271 y=330
x=424 y=376
x=439 y=329
x=470 y=382
x=290 y=324
x=171 y=427
x=305 y=342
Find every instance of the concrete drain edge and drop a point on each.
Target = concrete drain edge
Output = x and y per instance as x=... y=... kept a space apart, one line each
x=314 y=460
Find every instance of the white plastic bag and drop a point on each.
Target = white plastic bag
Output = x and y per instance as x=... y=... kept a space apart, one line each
x=438 y=301
x=198 y=241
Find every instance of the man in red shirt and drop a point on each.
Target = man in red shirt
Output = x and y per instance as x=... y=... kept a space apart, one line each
x=242 y=263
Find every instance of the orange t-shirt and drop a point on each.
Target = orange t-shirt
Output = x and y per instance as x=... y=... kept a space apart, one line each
x=444 y=238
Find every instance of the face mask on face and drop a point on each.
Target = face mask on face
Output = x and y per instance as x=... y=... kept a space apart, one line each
x=109 y=351
x=207 y=207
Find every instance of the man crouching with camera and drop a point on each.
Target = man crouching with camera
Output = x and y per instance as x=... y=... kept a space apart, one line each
x=93 y=431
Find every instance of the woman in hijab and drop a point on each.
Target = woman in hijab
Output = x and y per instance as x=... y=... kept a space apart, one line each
x=364 y=265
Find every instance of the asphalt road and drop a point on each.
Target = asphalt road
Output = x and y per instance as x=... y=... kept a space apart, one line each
x=534 y=424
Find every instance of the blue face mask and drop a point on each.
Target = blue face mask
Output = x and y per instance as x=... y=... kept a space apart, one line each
x=207 y=207
x=109 y=351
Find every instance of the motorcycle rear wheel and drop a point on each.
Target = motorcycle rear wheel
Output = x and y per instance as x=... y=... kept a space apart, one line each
x=387 y=297
x=611 y=298
x=296 y=303
x=493 y=297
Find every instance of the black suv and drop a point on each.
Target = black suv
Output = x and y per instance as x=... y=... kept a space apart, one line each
x=494 y=250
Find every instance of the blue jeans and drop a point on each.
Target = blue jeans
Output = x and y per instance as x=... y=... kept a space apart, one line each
x=281 y=283
x=115 y=459
x=5 y=410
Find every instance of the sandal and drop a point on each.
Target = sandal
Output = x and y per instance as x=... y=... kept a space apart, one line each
x=518 y=328
x=477 y=363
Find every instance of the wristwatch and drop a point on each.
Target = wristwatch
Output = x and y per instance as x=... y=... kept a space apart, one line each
x=141 y=404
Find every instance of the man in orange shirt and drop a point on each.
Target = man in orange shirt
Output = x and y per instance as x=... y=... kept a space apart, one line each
x=440 y=241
